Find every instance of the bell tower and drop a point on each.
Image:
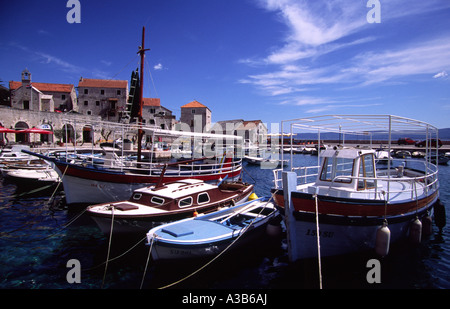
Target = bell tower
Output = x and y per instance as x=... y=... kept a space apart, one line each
x=26 y=78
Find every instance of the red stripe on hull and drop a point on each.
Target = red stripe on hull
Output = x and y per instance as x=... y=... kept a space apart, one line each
x=104 y=176
x=353 y=208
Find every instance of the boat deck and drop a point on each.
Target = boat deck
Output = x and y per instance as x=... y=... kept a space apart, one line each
x=393 y=191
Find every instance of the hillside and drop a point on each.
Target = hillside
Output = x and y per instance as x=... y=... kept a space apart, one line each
x=444 y=134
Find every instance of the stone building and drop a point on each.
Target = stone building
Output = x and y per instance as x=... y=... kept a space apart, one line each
x=252 y=131
x=153 y=114
x=28 y=95
x=196 y=116
x=103 y=97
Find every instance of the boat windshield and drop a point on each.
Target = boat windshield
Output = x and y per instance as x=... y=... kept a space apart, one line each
x=337 y=167
x=366 y=169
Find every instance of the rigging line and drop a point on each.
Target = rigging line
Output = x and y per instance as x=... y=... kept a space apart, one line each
x=134 y=58
x=218 y=255
x=151 y=76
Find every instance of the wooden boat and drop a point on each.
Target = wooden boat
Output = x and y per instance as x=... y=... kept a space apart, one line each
x=208 y=235
x=347 y=199
x=154 y=205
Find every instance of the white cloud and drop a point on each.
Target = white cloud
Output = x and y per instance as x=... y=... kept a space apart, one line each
x=158 y=67
x=442 y=74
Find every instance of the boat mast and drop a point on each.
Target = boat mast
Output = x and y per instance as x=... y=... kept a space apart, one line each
x=141 y=99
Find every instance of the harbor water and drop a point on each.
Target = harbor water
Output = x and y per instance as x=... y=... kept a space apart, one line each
x=40 y=237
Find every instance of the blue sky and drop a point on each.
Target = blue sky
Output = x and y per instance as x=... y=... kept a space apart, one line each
x=252 y=59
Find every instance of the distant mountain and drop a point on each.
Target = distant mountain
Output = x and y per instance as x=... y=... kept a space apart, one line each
x=444 y=134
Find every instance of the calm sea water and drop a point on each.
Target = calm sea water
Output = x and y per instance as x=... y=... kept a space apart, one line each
x=36 y=244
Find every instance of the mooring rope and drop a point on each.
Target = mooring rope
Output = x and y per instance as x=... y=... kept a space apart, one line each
x=59 y=183
x=221 y=253
x=146 y=263
x=109 y=244
x=318 y=241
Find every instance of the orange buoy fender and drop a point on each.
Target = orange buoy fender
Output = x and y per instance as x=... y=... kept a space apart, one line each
x=383 y=240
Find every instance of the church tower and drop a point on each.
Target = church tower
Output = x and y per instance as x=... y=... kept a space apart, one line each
x=26 y=78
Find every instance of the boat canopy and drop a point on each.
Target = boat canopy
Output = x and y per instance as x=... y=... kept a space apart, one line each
x=347 y=153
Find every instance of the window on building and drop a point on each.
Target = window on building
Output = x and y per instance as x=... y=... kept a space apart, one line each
x=26 y=105
x=86 y=91
x=88 y=113
x=97 y=103
x=119 y=92
x=63 y=97
x=102 y=91
x=85 y=103
x=193 y=111
x=152 y=110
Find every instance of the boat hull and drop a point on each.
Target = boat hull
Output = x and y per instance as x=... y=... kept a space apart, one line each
x=135 y=224
x=347 y=233
x=202 y=246
x=87 y=185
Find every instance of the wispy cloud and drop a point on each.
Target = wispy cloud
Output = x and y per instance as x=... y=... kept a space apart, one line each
x=158 y=67
x=294 y=71
x=63 y=65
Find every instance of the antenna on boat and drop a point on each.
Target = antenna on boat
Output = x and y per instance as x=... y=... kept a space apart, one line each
x=141 y=51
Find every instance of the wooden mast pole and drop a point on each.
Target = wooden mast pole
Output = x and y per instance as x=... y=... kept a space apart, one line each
x=141 y=98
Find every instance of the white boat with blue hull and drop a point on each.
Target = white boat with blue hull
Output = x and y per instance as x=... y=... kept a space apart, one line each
x=210 y=234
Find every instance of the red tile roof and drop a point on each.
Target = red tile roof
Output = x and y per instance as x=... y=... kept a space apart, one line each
x=44 y=87
x=151 y=102
x=102 y=83
x=193 y=104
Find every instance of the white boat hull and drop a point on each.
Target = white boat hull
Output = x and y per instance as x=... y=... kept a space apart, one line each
x=79 y=190
x=83 y=190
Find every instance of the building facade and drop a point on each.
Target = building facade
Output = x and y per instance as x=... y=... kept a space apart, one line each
x=196 y=116
x=27 y=95
x=102 y=97
x=153 y=114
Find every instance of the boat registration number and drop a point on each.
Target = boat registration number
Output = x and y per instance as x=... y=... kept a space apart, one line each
x=324 y=234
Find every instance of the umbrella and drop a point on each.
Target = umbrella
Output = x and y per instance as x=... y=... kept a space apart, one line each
x=35 y=130
x=6 y=130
